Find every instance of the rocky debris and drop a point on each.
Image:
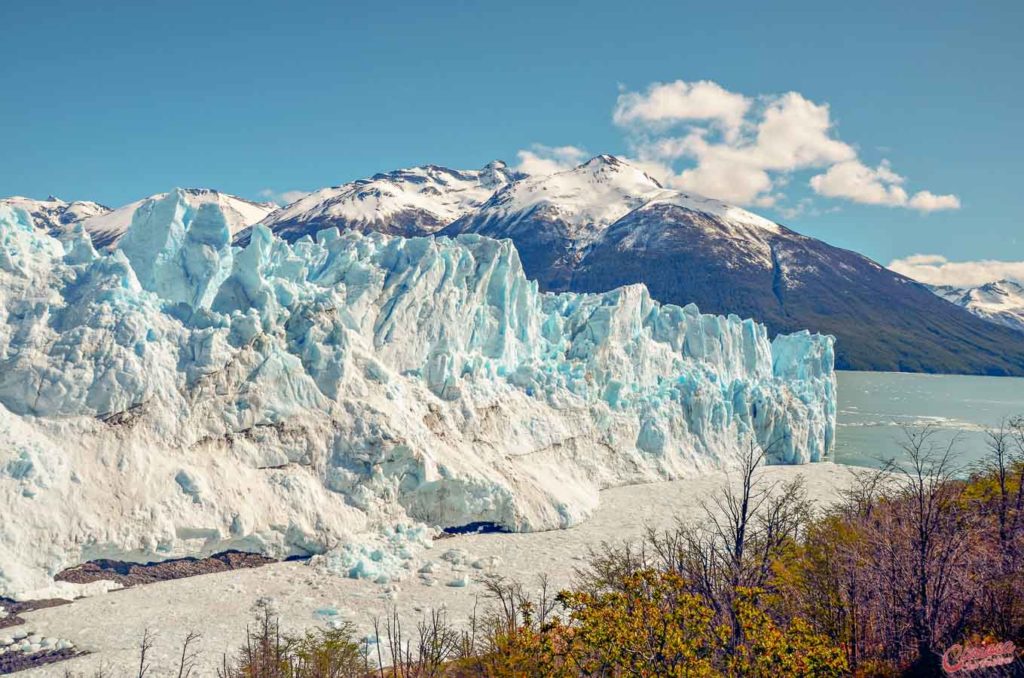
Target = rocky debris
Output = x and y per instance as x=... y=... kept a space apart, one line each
x=22 y=650
x=134 y=574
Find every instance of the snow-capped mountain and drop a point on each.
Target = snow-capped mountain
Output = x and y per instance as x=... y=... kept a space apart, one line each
x=556 y=219
x=54 y=214
x=999 y=302
x=107 y=228
x=582 y=202
x=607 y=223
x=180 y=396
x=407 y=202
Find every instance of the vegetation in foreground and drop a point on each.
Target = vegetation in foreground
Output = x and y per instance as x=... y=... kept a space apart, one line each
x=916 y=559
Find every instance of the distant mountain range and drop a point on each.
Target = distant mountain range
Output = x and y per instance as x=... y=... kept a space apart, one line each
x=999 y=302
x=407 y=202
x=607 y=223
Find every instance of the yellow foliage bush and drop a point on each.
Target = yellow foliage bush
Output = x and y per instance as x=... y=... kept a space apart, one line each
x=652 y=626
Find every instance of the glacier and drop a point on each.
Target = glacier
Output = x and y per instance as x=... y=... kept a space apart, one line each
x=178 y=395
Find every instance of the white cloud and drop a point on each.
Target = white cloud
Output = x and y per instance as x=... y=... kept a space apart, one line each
x=282 y=197
x=741 y=149
x=541 y=159
x=856 y=181
x=926 y=201
x=667 y=103
x=724 y=175
x=795 y=133
x=879 y=186
x=936 y=269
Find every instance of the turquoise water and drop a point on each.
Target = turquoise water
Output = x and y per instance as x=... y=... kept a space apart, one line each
x=874 y=405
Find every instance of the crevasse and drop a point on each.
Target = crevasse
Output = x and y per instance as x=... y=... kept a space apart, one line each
x=180 y=396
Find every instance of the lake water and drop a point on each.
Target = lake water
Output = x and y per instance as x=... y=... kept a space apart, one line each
x=873 y=406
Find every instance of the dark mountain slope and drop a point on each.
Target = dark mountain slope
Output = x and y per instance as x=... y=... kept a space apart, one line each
x=882 y=320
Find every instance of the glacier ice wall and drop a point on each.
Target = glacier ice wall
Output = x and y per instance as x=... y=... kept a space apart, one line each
x=180 y=396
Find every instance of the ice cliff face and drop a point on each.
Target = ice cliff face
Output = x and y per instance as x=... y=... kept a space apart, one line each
x=181 y=396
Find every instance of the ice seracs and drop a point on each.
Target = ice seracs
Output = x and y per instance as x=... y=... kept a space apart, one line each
x=239 y=213
x=180 y=396
x=106 y=226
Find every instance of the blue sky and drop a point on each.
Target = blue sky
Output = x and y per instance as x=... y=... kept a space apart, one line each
x=113 y=101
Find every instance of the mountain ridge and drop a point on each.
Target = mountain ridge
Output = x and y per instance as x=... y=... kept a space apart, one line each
x=607 y=223
x=1000 y=301
x=407 y=202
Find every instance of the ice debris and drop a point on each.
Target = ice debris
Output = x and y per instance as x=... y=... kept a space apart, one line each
x=386 y=557
x=23 y=642
x=180 y=396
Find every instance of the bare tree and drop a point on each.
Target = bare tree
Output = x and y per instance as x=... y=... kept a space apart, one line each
x=906 y=576
x=189 y=654
x=741 y=531
x=438 y=642
x=145 y=645
x=1000 y=474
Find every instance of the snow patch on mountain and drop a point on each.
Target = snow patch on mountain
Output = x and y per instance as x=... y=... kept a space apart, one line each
x=410 y=202
x=999 y=302
x=180 y=396
x=586 y=200
x=590 y=196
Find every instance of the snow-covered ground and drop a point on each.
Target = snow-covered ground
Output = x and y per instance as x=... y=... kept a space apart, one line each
x=218 y=605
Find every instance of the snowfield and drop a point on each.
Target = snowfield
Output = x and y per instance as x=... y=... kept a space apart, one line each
x=347 y=396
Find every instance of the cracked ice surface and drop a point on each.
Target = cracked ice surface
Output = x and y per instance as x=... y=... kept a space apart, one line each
x=181 y=397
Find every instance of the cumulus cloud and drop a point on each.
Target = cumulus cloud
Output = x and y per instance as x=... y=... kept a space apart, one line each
x=856 y=181
x=667 y=103
x=936 y=269
x=742 y=149
x=541 y=159
x=282 y=197
x=926 y=201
